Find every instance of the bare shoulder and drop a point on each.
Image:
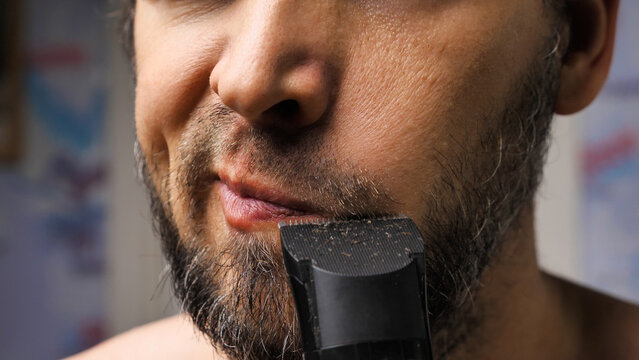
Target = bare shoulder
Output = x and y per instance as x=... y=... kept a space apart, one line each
x=610 y=326
x=171 y=338
x=619 y=322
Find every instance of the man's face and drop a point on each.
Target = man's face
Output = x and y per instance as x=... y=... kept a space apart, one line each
x=253 y=112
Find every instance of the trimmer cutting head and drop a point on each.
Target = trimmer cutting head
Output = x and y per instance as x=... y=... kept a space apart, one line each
x=359 y=288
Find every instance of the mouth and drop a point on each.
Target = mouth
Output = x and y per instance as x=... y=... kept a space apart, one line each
x=253 y=207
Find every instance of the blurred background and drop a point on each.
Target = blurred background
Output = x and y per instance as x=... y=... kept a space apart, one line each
x=78 y=260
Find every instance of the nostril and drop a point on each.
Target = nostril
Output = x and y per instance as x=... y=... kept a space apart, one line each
x=284 y=110
x=286 y=115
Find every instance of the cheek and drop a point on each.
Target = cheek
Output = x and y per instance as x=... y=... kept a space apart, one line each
x=173 y=64
x=170 y=85
x=405 y=100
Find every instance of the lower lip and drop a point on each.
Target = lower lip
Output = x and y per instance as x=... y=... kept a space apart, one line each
x=246 y=212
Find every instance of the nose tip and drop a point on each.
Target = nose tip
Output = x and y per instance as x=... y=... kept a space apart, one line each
x=282 y=93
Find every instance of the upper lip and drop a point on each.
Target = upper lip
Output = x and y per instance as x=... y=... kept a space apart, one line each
x=253 y=188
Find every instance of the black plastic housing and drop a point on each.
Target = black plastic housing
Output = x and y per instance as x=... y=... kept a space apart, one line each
x=359 y=288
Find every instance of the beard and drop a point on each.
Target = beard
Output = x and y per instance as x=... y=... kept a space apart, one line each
x=236 y=289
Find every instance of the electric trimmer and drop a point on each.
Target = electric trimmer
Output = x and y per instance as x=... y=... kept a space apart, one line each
x=359 y=288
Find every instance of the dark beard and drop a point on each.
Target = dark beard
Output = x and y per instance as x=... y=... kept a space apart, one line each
x=238 y=294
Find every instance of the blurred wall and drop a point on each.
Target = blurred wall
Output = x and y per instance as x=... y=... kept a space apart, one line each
x=557 y=207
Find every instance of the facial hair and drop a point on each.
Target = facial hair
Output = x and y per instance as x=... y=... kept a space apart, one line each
x=236 y=289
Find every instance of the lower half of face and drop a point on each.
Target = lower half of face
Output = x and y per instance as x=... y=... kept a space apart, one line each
x=427 y=120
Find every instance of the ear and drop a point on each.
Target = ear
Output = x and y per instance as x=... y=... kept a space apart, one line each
x=587 y=61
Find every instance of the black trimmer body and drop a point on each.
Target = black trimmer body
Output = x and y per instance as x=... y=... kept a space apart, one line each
x=359 y=288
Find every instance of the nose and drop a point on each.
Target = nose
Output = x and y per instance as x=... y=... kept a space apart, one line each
x=274 y=71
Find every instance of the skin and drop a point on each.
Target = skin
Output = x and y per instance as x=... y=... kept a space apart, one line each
x=382 y=83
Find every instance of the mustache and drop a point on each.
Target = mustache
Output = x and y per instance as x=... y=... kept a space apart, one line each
x=299 y=163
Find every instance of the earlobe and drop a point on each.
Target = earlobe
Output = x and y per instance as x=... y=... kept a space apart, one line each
x=587 y=62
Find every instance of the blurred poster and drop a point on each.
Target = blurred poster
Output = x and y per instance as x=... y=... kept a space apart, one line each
x=610 y=170
x=54 y=199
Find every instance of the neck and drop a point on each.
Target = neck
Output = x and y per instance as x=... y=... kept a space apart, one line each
x=523 y=313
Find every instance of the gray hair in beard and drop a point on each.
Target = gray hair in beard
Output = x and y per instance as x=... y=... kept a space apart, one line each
x=478 y=198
